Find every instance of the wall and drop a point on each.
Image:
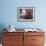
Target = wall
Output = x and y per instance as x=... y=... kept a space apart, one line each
x=9 y=13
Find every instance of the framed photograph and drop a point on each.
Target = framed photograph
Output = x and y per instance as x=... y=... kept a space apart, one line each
x=26 y=14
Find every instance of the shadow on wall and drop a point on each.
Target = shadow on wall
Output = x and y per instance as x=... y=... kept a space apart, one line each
x=2 y=26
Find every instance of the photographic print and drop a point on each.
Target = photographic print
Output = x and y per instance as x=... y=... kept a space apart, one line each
x=26 y=14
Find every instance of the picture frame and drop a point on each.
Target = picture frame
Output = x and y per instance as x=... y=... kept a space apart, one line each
x=26 y=14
